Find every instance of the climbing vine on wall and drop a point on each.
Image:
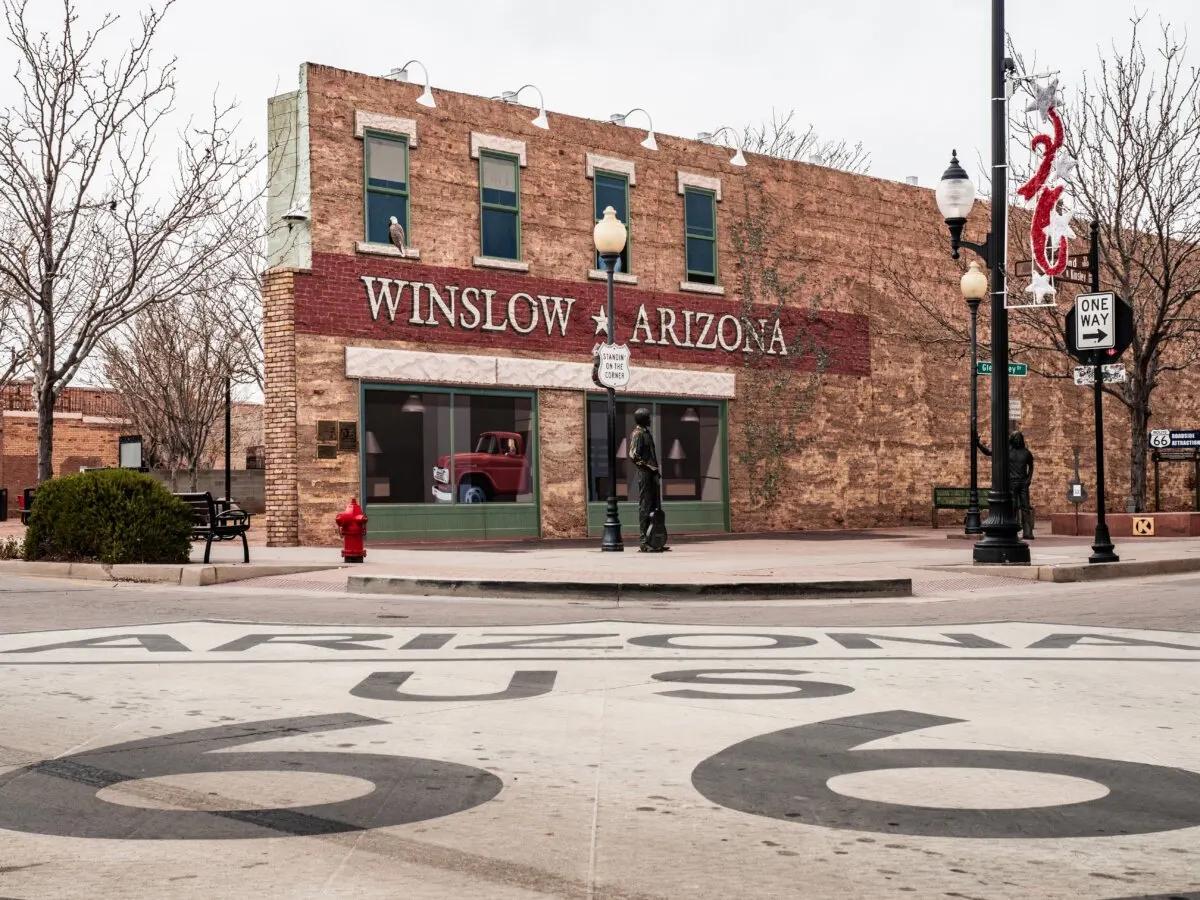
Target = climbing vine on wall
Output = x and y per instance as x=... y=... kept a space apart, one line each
x=774 y=400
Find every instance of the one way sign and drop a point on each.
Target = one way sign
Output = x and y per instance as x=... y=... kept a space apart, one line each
x=1095 y=321
x=1098 y=329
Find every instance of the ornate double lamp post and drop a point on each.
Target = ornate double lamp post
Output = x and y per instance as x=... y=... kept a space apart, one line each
x=955 y=197
x=609 y=236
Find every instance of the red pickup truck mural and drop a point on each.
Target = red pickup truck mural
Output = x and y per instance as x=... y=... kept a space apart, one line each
x=498 y=469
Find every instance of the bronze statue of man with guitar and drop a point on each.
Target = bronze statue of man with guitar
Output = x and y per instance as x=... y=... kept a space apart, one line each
x=652 y=523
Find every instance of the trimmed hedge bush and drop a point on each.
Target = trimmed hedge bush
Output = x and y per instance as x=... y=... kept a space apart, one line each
x=110 y=516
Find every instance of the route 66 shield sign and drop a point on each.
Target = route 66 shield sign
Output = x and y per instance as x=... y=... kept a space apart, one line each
x=612 y=365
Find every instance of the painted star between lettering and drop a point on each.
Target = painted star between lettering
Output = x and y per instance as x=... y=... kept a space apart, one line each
x=1044 y=99
x=1060 y=226
x=601 y=320
x=1063 y=165
x=1041 y=287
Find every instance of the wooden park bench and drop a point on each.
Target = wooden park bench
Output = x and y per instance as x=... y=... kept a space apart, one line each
x=949 y=498
x=209 y=524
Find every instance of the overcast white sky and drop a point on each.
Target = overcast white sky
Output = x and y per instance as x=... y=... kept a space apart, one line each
x=906 y=77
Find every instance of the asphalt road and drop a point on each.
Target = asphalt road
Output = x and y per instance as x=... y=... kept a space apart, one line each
x=985 y=738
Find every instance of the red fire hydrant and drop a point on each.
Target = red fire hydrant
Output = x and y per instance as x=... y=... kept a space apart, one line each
x=352 y=523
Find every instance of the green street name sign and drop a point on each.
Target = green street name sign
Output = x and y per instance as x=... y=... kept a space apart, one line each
x=1015 y=370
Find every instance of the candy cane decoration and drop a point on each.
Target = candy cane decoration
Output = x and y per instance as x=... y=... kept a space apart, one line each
x=1049 y=147
x=1045 y=189
x=1037 y=233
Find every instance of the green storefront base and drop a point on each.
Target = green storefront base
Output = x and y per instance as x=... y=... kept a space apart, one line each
x=434 y=522
x=683 y=516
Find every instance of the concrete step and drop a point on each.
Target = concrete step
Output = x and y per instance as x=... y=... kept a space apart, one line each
x=617 y=591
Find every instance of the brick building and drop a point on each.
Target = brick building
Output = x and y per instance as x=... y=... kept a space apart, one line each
x=451 y=388
x=88 y=423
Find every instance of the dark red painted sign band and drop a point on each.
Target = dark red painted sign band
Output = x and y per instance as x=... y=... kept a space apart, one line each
x=391 y=300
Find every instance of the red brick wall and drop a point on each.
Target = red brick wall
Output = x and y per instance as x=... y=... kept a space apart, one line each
x=77 y=442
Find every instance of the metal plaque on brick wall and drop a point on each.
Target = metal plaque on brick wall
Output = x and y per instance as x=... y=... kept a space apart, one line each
x=348 y=437
x=327 y=439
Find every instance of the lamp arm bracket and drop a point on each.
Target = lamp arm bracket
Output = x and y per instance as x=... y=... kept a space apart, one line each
x=984 y=250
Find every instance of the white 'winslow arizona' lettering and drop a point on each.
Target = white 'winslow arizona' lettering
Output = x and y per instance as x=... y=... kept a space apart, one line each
x=478 y=309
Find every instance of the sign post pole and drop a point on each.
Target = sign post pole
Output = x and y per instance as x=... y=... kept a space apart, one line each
x=611 y=540
x=1102 y=545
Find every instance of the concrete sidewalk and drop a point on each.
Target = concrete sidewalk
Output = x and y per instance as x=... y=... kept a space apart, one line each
x=858 y=563
x=882 y=562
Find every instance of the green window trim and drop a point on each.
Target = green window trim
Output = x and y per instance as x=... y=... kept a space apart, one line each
x=368 y=189
x=627 y=253
x=696 y=233
x=515 y=161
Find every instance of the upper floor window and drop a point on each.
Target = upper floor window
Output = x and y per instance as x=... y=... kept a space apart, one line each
x=499 y=205
x=386 y=185
x=612 y=189
x=700 y=231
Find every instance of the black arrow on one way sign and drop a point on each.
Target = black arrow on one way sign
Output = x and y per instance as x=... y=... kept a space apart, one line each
x=1096 y=336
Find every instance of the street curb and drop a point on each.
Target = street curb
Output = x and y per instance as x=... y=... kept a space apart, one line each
x=1076 y=572
x=617 y=591
x=190 y=575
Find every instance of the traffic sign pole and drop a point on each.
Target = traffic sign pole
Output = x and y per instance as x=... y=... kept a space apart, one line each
x=1102 y=545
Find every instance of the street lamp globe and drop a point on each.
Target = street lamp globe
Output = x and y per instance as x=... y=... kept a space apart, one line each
x=609 y=234
x=974 y=282
x=955 y=192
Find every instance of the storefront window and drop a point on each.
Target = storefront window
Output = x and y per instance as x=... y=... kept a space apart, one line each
x=491 y=441
x=407 y=435
x=448 y=447
x=686 y=436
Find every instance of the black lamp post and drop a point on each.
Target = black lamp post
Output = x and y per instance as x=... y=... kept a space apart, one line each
x=228 y=441
x=955 y=196
x=609 y=236
x=974 y=288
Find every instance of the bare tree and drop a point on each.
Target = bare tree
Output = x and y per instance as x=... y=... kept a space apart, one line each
x=779 y=382
x=244 y=308
x=86 y=241
x=1134 y=132
x=778 y=137
x=240 y=299
x=170 y=365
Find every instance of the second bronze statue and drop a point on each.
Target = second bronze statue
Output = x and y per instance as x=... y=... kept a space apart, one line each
x=652 y=521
